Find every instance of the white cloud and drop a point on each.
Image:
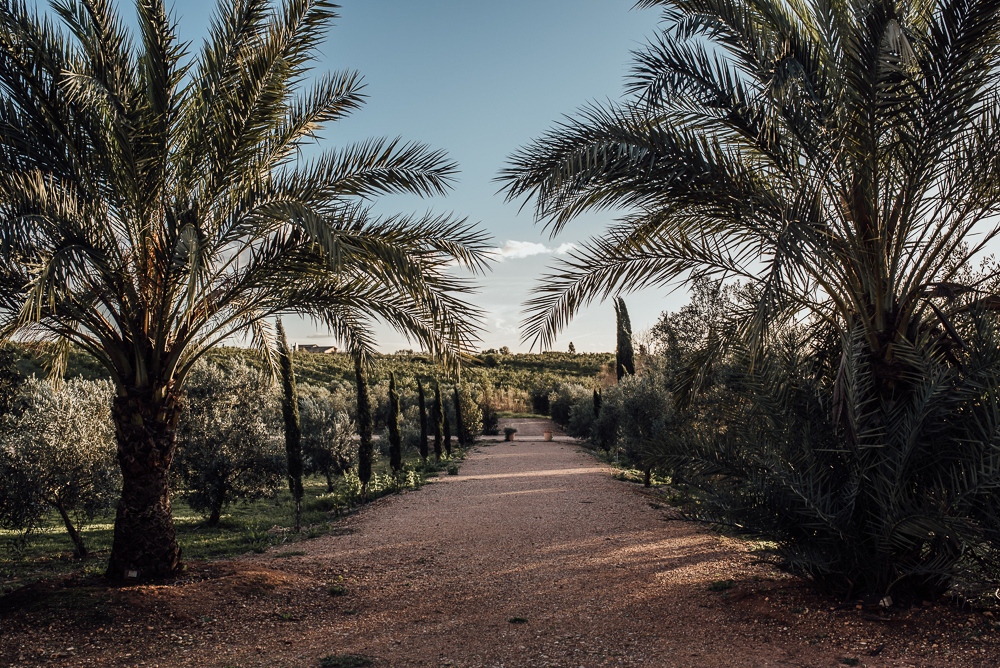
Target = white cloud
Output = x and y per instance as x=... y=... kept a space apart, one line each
x=516 y=250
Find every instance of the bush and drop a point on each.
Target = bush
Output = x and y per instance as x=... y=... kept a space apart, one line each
x=861 y=495
x=58 y=450
x=581 y=418
x=472 y=416
x=645 y=413
x=489 y=419
x=229 y=444
x=562 y=398
x=540 y=398
x=328 y=445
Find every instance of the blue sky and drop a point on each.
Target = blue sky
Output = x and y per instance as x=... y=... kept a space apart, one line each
x=479 y=80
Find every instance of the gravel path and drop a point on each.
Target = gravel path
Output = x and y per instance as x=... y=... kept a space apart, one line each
x=533 y=556
x=536 y=556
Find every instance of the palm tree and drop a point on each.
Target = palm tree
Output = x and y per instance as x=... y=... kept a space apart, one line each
x=154 y=205
x=840 y=157
x=843 y=160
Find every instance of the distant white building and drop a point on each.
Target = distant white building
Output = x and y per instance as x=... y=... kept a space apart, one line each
x=323 y=350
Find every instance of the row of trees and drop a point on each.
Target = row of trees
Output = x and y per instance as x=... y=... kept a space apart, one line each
x=58 y=452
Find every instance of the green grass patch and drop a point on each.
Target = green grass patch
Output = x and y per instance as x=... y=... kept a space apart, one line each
x=245 y=527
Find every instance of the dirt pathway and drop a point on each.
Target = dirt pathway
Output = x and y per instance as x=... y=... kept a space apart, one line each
x=533 y=556
x=598 y=573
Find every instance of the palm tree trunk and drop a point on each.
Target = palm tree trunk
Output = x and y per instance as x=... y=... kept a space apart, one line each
x=145 y=544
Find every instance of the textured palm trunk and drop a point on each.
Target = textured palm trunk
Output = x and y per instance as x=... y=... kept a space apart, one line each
x=145 y=543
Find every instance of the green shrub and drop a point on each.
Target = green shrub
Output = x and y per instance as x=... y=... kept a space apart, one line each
x=228 y=438
x=472 y=416
x=328 y=445
x=564 y=397
x=862 y=494
x=58 y=451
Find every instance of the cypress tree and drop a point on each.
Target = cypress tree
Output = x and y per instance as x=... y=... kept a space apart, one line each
x=436 y=411
x=10 y=379
x=597 y=403
x=624 y=357
x=395 y=442
x=459 y=421
x=447 y=432
x=293 y=431
x=364 y=425
x=423 y=421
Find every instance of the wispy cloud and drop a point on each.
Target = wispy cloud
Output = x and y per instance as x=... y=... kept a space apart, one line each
x=516 y=250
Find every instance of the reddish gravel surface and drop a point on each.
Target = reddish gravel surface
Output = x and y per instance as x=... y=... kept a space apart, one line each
x=533 y=556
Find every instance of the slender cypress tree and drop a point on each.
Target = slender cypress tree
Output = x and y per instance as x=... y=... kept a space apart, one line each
x=423 y=421
x=597 y=403
x=447 y=430
x=624 y=357
x=293 y=432
x=459 y=422
x=364 y=425
x=10 y=379
x=436 y=411
x=395 y=442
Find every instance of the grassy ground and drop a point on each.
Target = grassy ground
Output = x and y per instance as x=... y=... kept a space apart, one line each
x=244 y=527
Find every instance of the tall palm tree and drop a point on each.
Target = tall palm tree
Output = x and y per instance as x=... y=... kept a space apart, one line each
x=844 y=158
x=152 y=205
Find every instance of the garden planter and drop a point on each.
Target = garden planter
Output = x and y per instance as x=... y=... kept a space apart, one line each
x=547 y=435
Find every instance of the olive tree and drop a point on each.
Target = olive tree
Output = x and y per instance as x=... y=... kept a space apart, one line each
x=228 y=438
x=57 y=452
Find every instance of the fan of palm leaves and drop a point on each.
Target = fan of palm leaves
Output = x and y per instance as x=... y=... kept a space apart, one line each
x=844 y=157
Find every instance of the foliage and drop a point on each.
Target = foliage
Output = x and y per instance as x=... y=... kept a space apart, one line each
x=423 y=421
x=624 y=356
x=437 y=415
x=836 y=201
x=840 y=160
x=395 y=440
x=136 y=171
x=293 y=430
x=365 y=452
x=581 y=420
x=10 y=379
x=681 y=335
x=328 y=446
x=562 y=399
x=490 y=419
x=446 y=428
x=472 y=415
x=645 y=412
x=861 y=496
x=57 y=450
x=460 y=428
x=227 y=439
